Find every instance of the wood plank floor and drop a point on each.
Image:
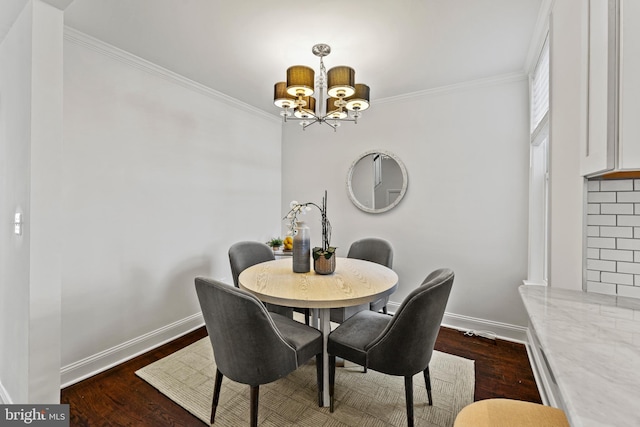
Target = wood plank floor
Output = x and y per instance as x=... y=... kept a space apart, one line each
x=118 y=397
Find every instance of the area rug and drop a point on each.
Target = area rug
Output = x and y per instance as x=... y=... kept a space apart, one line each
x=361 y=399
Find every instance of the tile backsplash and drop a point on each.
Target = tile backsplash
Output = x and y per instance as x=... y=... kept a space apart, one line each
x=613 y=237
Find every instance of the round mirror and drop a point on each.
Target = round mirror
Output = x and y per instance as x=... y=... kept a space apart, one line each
x=377 y=181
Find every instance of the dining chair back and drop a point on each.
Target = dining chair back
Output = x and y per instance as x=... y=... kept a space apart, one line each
x=243 y=255
x=401 y=345
x=250 y=345
x=413 y=329
x=371 y=249
x=375 y=250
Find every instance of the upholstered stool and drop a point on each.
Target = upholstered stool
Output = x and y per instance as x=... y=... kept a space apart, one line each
x=510 y=413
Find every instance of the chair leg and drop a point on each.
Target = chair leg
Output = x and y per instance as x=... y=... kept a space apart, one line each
x=427 y=381
x=216 y=395
x=332 y=380
x=320 y=379
x=306 y=316
x=408 y=391
x=384 y=309
x=254 y=405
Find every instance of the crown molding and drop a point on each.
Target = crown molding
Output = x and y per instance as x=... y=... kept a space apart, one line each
x=82 y=39
x=458 y=87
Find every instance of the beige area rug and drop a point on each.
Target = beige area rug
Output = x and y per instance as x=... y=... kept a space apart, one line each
x=361 y=399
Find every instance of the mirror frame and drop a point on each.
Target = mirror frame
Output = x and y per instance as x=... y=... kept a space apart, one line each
x=405 y=182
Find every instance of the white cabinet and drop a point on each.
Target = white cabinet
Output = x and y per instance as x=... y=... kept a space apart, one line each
x=613 y=97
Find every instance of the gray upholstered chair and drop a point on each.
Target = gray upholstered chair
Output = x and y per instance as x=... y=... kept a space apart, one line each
x=243 y=255
x=250 y=345
x=371 y=249
x=399 y=345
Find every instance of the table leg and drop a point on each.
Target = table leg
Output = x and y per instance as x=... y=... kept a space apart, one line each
x=325 y=328
x=313 y=317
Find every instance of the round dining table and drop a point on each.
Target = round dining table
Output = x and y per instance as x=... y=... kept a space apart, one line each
x=354 y=282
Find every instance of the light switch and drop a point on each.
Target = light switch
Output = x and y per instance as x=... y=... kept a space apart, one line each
x=17 y=224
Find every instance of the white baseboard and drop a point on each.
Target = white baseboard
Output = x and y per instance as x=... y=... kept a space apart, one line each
x=111 y=357
x=5 y=399
x=503 y=331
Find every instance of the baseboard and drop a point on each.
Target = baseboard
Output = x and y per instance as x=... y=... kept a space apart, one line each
x=111 y=357
x=5 y=399
x=503 y=331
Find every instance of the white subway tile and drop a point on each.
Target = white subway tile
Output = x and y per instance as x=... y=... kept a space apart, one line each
x=628 y=196
x=593 y=208
x=630 y=220
x=595 y=253
x=637 y=276
x=617 y=278
x=601 y=288
x=593 y=275
x=630 y=244
x=616 y=255
x=636 y=184
x=629 y=291
x=608 y=197
x=594 y=231
x=636 y=256
x=616 y=208
x=637 y=208
x=617 y=185
x=593 y=185
x=628 y=267
x=616 y=232
x=601 y=242
x=636 y=232
x=602 y=219
x=595 y=264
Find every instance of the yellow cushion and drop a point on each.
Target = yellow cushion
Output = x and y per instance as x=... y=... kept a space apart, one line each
x=510 y=413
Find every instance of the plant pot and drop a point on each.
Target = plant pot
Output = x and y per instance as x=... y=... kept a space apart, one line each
x=323 y=265
x=275 y=248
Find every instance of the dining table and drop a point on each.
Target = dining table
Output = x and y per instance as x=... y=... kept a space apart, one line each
x=354 y=282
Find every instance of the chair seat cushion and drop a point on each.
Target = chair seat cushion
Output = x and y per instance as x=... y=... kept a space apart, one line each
x=306 y=340
x=510 y=413
x=350 y=339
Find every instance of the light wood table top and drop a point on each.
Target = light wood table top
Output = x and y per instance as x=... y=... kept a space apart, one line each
x=354 y=282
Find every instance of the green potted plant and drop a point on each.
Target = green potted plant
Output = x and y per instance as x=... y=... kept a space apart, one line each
x=324 y=257
x=275 y=243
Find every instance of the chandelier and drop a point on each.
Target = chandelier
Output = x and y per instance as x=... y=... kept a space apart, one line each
x=345 y=98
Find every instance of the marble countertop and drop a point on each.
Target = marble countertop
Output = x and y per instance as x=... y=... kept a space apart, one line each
x=592 y=345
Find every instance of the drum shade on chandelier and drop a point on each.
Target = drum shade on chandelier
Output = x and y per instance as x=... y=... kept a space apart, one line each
x=345 y=99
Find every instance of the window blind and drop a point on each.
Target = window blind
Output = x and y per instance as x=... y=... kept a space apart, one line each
x=540 y=88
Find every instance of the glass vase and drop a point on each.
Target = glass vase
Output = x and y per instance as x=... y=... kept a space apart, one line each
x=301 y=248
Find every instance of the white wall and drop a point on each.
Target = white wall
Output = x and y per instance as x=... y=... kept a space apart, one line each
x=31 y=133
x=161 y=177
x=15 y=108
x=466 y=154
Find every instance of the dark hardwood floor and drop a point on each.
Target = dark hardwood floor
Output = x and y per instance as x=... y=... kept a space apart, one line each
x=117 y=397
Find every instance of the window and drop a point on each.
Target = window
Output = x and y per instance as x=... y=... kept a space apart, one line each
x=539 y=169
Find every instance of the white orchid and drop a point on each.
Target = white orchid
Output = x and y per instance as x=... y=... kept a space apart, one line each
x=303 y=208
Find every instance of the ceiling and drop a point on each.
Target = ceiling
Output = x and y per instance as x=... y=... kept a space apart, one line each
x=241 y=48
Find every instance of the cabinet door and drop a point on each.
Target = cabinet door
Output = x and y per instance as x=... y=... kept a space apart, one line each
x=599 y=153
x=629 y=133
